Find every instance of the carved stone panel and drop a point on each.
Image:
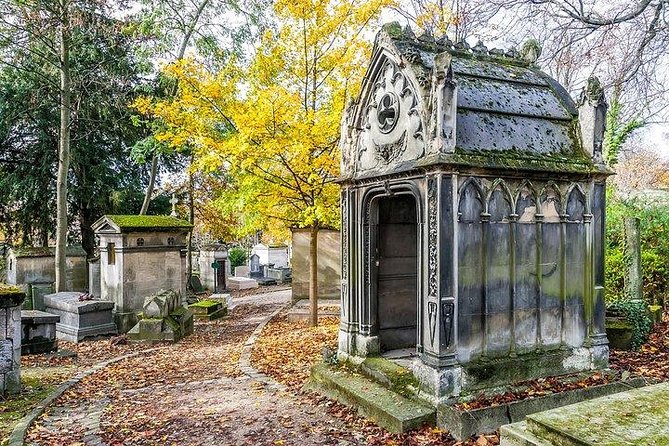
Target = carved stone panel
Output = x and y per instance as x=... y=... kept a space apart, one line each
x=393 y=129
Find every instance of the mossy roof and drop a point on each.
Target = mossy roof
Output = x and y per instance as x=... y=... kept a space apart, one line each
x=164 y=223
x=47 y=251
x=9 y=289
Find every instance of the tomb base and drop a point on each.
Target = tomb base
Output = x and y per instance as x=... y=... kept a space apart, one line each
x=38 y=330
x=80 y=319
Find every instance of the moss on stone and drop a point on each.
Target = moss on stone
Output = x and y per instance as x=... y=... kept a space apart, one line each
x=47 y=251
x=618 y=324
x=148 y=222
x=9 y=290
x=205 y=304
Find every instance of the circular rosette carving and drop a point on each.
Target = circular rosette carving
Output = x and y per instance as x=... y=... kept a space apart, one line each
x=394 y=127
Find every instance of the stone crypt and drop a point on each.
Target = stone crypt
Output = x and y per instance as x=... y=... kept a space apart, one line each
x=473 y=196
x=140 y=255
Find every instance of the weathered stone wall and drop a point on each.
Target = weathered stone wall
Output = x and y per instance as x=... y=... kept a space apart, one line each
x=10 y=347
x=329 y=264
x=26 y=270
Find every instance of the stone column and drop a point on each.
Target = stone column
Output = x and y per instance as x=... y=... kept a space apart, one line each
x=348 y=326
x=439 y=371
x=632 y=258
x=599 y=342
x=11 y=299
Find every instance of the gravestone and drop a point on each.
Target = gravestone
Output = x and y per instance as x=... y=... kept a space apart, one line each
x=255 y=271
x=11 y=299
x=80 y=319
x=241 y=283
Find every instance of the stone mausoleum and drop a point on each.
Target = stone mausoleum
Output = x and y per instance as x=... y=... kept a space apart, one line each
x=473 y=194
x=140 y=255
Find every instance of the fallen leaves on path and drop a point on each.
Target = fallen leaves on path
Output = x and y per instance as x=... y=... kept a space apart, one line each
x=286 y=351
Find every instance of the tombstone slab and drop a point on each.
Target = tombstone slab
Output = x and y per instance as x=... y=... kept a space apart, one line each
x=638 y=416
x=242 y=271
x=164 y=319
x=241 y=283
x=38 y=332
x=80 y=319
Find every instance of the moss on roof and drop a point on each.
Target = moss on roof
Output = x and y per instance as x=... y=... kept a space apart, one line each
x=50 y=251
x=148 y=222
x=9 y=290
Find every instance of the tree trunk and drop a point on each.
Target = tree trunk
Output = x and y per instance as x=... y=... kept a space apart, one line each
x=313 y=276
x=149 y=188
x=191 y=220
x=63 y=147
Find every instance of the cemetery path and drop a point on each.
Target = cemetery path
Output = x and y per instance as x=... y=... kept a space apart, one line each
x=191 y=393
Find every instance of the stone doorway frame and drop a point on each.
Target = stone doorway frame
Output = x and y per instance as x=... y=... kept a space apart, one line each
x=368 y=304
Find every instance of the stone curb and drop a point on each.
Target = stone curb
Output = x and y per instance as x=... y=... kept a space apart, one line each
x=21 y=428
x=245 y=358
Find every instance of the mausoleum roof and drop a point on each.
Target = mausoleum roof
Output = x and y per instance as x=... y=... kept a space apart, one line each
x=141 y=223
x=47 y=251
x=505 y=111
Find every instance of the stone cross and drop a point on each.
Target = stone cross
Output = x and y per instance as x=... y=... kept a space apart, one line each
x=174 y=202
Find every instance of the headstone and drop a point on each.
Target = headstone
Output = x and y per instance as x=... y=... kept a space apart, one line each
x=242 y=271
x=256 y=271
x=164 y=319
x=241 y=283
x=280 y=274
x=196 y=285
x=37 y=293
x=94 y=282
x=80 y=319
x=38 y=329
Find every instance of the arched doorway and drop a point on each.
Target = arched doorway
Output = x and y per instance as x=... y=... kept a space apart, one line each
x=396 y=261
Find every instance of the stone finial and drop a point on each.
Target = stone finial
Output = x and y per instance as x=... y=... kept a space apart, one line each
x=512 y=53
x=530 y=51
x=461 y=46
x=443 y=102
x=426 y=37
x=592 y=118
x=408 y=32
x=445 y=41
x=593 y=92
x=480 y=48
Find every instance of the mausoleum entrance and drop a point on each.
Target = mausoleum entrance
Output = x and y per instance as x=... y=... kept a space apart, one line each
x=396 y=261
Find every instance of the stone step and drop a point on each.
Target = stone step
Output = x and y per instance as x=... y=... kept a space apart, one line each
x=634 y=417
x=389 y=409
x=517 y=434
x=390 y=375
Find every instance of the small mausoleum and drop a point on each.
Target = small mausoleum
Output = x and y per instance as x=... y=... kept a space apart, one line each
x=140 y=255
x=473 y=196
x=36 y=265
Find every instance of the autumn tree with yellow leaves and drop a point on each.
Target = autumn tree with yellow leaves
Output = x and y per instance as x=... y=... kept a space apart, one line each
x=273 y=125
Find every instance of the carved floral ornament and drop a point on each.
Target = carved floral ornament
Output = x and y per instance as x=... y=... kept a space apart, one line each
x=393 y=128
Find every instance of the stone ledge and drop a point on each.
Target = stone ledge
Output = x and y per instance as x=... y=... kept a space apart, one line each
x=388 y=409
x=464 y=423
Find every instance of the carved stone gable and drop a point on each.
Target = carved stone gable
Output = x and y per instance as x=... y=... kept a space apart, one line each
x=393 y=129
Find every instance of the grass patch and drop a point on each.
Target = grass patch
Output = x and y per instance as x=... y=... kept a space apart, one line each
x=15 y=407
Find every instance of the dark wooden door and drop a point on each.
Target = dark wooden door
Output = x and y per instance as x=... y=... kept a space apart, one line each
x=397 y=262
